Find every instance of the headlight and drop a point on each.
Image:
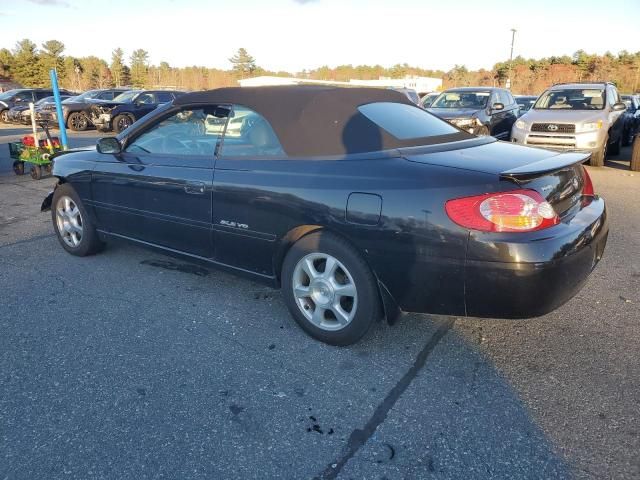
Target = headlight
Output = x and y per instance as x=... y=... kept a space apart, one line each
x=521 y=124
x=462 y=122
x=589 y=127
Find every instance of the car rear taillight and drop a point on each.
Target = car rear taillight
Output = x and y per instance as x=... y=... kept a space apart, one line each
x=587 y=188
x=514 y=211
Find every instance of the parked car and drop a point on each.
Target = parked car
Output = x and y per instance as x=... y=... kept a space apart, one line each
x=22 y=113
x=576 y=117
x=525 y=102
x=129 y=107
x=428 y=99
x=76 y=110
x=22 y=97
x=478 y=110
x=630 y=118
x=441 y=222
x=410 y=93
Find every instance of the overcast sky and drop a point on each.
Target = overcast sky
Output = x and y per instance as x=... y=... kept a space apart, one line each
x=296 y=34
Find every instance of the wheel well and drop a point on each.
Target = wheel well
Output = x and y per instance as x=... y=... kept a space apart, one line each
x=390 y=308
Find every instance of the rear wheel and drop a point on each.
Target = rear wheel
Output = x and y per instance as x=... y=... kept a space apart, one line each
x=18 y=167
x=329 y=289
x=74 y=229
x=121 y=122
x=77 y=122
x=4 y=116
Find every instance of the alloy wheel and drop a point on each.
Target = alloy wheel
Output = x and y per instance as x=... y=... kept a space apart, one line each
x=78 y=122
x=123 y=123
x=324 y=291
x=69 y=221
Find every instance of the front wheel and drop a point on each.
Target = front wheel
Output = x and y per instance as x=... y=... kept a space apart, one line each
x=74 y=229
x=77 y=122
x=121 y=122
x=4 y=116
x=36 y=172
x=329 y=289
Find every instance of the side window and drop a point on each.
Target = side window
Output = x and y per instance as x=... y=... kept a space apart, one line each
x=503 y=98
x=248 y=134
x=41 y=94
x=613 y=95
x=146 y=99
x=186 y=133
x=107 y=95
x=164 y=97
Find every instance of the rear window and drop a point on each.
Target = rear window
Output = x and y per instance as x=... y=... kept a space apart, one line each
x=405 y=122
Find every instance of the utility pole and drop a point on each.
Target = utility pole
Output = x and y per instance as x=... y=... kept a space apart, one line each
x=513 y=37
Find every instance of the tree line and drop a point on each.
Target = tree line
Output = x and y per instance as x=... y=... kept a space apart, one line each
x=29 y=65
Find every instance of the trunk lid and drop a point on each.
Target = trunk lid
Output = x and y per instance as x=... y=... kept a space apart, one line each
x=558 y=177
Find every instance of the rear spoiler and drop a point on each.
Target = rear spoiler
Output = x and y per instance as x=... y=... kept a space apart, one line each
x=545 y=166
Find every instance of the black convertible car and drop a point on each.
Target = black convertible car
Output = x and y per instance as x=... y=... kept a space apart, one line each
x=356 y=202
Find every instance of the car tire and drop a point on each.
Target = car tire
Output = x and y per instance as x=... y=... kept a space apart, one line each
x=614 y=149
x=312 y=296
x=4 y=116
x=121 y=122
x=482 y=131
x=74 y=227
x=18 y=167
x=77 y=121
x=36 y=172
x=597 y=157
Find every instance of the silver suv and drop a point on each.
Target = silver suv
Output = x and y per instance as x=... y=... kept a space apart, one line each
x=579 y=117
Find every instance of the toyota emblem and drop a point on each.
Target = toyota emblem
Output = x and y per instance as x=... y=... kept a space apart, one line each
x=552 y=128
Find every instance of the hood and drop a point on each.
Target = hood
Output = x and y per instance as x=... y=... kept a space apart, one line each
x=562 y=116
x=454 y=112
x=20 y=108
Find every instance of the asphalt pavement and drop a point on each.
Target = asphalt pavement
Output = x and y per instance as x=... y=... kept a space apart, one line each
x=132 y=365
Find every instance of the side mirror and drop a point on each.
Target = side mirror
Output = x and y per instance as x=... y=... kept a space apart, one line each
x=497 y=106
x=109 y=145
x=620 y=106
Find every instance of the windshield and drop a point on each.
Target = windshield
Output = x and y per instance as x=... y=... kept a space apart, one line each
x=87 y=94
x=71 y=99
x=428 y=99
x=525 y=103
x=8 y=94
x=126 y=97
x=476 y=100
x=571 y=99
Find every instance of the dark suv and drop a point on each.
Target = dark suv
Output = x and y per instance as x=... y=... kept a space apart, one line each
x=23 y=96
x=128 y=107
x=478 y=110
x=77 y=110
x=630 y=118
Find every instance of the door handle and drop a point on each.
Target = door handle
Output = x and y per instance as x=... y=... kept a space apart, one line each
x=196 y=188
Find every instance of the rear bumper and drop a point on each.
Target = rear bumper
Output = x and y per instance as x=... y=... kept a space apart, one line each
x=551 y=270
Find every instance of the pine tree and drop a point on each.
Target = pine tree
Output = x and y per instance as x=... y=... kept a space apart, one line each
x=139 y=67
x=52 y=58
x=118 y=67
x=243 y=63
x=27 y=66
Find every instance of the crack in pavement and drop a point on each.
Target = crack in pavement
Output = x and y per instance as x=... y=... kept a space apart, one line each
x=359 y=437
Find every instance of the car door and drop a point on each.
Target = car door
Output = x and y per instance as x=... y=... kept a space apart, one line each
x=616 y=118
x=496 y=116
x=144 y=103
x=159 y=189
x=249 y=165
